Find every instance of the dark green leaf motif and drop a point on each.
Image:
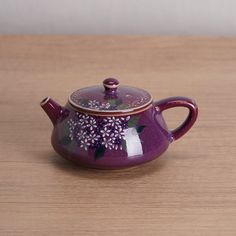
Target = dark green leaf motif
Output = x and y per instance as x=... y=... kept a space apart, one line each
x=65 y=140
x=123 y=106
x=99 y=152
x=124 y=145
x=66 y=129
x=114 y=102
x=133 y=121
x=72 y=146
x=140 y=128
x=83 y=101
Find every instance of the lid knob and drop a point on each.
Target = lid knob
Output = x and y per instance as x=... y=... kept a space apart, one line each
x=110 y=85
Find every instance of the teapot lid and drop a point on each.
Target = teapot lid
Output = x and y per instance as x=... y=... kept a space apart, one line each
x=110 y=98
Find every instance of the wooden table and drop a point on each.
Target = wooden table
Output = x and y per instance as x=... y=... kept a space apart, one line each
x=190 y=190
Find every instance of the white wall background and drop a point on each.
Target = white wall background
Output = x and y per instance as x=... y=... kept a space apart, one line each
x=208 y=17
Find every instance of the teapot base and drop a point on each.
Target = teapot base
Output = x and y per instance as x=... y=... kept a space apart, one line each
x=109 y=162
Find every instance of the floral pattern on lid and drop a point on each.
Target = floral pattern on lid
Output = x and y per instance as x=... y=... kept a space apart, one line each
x=110 y=97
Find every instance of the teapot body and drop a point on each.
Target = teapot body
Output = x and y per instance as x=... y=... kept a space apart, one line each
x=110 y=142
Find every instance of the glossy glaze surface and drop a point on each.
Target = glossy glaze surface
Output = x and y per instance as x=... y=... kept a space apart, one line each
x=109 y=137
x=111 y=142
x=111 y=96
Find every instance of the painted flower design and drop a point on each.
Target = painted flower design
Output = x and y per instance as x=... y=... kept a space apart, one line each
x=119 y=133
x=112 y=121
x=105 y=105
x=98 y=133
x=93 y=104
x=125 y=101
x=87 y=130
x=93 y=137
x=81 y=135
x=84 y=143
x=108 y=142
x=110 y=104
x=105 y=132
x=91 y=123
x=82 y=119
x=96 y=105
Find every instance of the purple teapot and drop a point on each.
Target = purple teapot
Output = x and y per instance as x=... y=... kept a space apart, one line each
x=112 y=126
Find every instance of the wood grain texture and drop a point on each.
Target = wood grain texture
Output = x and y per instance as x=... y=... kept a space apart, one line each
x=190 y=190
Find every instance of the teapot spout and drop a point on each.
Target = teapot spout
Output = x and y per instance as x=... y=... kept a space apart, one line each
x=52 y=109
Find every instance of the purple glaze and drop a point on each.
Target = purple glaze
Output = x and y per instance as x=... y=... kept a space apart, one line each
x=111 y=141
x=110 y=97
x=52 y=109
x=180 y=102
x=146 y=137
x=110 y=92
x=110 y=85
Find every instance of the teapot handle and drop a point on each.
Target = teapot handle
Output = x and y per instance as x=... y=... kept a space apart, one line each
x=180 y=102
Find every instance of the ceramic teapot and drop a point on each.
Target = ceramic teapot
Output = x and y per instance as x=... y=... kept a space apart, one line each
x=114 y=126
